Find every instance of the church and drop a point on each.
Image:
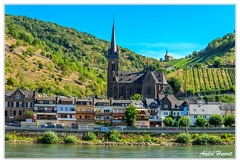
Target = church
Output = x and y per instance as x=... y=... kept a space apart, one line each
x=123 y=85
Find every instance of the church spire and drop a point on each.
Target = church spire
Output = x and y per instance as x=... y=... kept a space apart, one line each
x=113 y=40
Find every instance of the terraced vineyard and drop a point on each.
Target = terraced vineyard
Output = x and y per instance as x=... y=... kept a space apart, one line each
x=209 y=80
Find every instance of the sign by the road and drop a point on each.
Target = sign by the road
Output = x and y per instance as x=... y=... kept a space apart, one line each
x=104 y=129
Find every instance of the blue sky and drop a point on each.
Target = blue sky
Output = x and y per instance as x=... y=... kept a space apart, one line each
x=145 y=29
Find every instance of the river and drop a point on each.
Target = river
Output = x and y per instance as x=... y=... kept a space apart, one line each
x=101 y=151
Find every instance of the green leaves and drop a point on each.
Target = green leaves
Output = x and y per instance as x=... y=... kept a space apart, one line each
x=131 y=115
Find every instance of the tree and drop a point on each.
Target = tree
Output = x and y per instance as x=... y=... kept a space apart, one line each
x=184 y=121
x=131 y=115
x=216 y=120
x=229 y=120
x=29 y=114
x=176 y=83
x=168 y=90
x=136 y=97
x=168 y=121
x=217 y=62
x=201 y=122
x=11 y=81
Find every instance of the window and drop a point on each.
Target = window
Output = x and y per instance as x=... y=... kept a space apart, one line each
x=80 y=117
x=61 y=108
x=50 y=102
x=130 y=90
x=6 y=104
x=17 y=96
x=6 y=113
x=28 y=104
x=174 y=113
x=14 y=112
x=72 y=109
x=148 y=90
x=20 y=113
x=166 y=113
x=20 y=104
x=165 y=106
x=178 y=113
x=14 y=104
x=195 y=116
x=66 y=109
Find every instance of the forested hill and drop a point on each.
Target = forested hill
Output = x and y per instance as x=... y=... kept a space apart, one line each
x=57 y=60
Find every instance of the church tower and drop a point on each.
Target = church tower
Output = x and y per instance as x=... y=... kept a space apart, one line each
x=113 y=59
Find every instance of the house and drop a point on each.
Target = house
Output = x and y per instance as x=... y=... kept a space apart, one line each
x=103 y=111
x=204 y=110
x=142 y=116
x=153 y=107
x=169 y=104
x=228 y=109
x=46 y=110
x=119 y=108
x=85 y=112
x=17 y=102
x=66 y=111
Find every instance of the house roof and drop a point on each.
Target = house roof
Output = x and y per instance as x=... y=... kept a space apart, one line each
x=138 y=77
x=27 y=93
x=175 y=102
x=46 y=98
x=204 y=109
x=150 y=101
x=228 y=106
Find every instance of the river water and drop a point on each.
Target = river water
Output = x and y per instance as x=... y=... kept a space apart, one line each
x=101 y=151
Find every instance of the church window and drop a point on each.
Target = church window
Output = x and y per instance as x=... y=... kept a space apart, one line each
x=115 y=88
x=130 y=90
x=113 y=67
x=148 y=77
x=138 y=90
x=148 y=90
x=122 y=90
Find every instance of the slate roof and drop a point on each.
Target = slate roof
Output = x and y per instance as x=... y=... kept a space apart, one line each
x=130 y=77
x=150 y=101
x=27 y=93
x=204 y=109
x=46 y=98
x=138 y=77
x=175 y=102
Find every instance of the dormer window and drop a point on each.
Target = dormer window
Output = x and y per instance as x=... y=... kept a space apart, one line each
x=17 y=96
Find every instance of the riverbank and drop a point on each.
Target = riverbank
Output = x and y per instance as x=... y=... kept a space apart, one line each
x=114 y=143
x=115 y=138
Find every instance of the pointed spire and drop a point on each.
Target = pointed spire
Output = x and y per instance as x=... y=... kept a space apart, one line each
x=113 y=40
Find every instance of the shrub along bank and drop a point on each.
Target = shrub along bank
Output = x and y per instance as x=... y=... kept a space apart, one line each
x=50 y=137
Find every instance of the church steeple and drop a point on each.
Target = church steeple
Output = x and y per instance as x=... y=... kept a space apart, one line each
x=112 y=52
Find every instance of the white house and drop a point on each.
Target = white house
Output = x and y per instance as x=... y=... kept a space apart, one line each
x=204 y=110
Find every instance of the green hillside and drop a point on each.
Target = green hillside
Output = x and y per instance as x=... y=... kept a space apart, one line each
x=57 y=60
x=223 y=48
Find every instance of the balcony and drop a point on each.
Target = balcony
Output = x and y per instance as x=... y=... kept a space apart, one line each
x=142 y=118
x=153 y=113
x=85 y=120
x=85 y=112
x=105 y=121
x=103 y=113
x=45 y=111
x=118 y=114
x=67 y=119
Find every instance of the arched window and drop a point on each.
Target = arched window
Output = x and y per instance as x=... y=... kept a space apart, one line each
x=148 y=77
x=130 y=90
x=138 y=90
x=122 y=91
x=115 y=88
x=148 y=89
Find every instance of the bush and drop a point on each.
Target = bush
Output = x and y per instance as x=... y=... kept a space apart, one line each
x=114 y=136
x=49 y=137
x=70 y=139
x=8 y=137
x=147 y=138
x=91 y=136
x=140 y=139
x=183 y=138
x=207 y=140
